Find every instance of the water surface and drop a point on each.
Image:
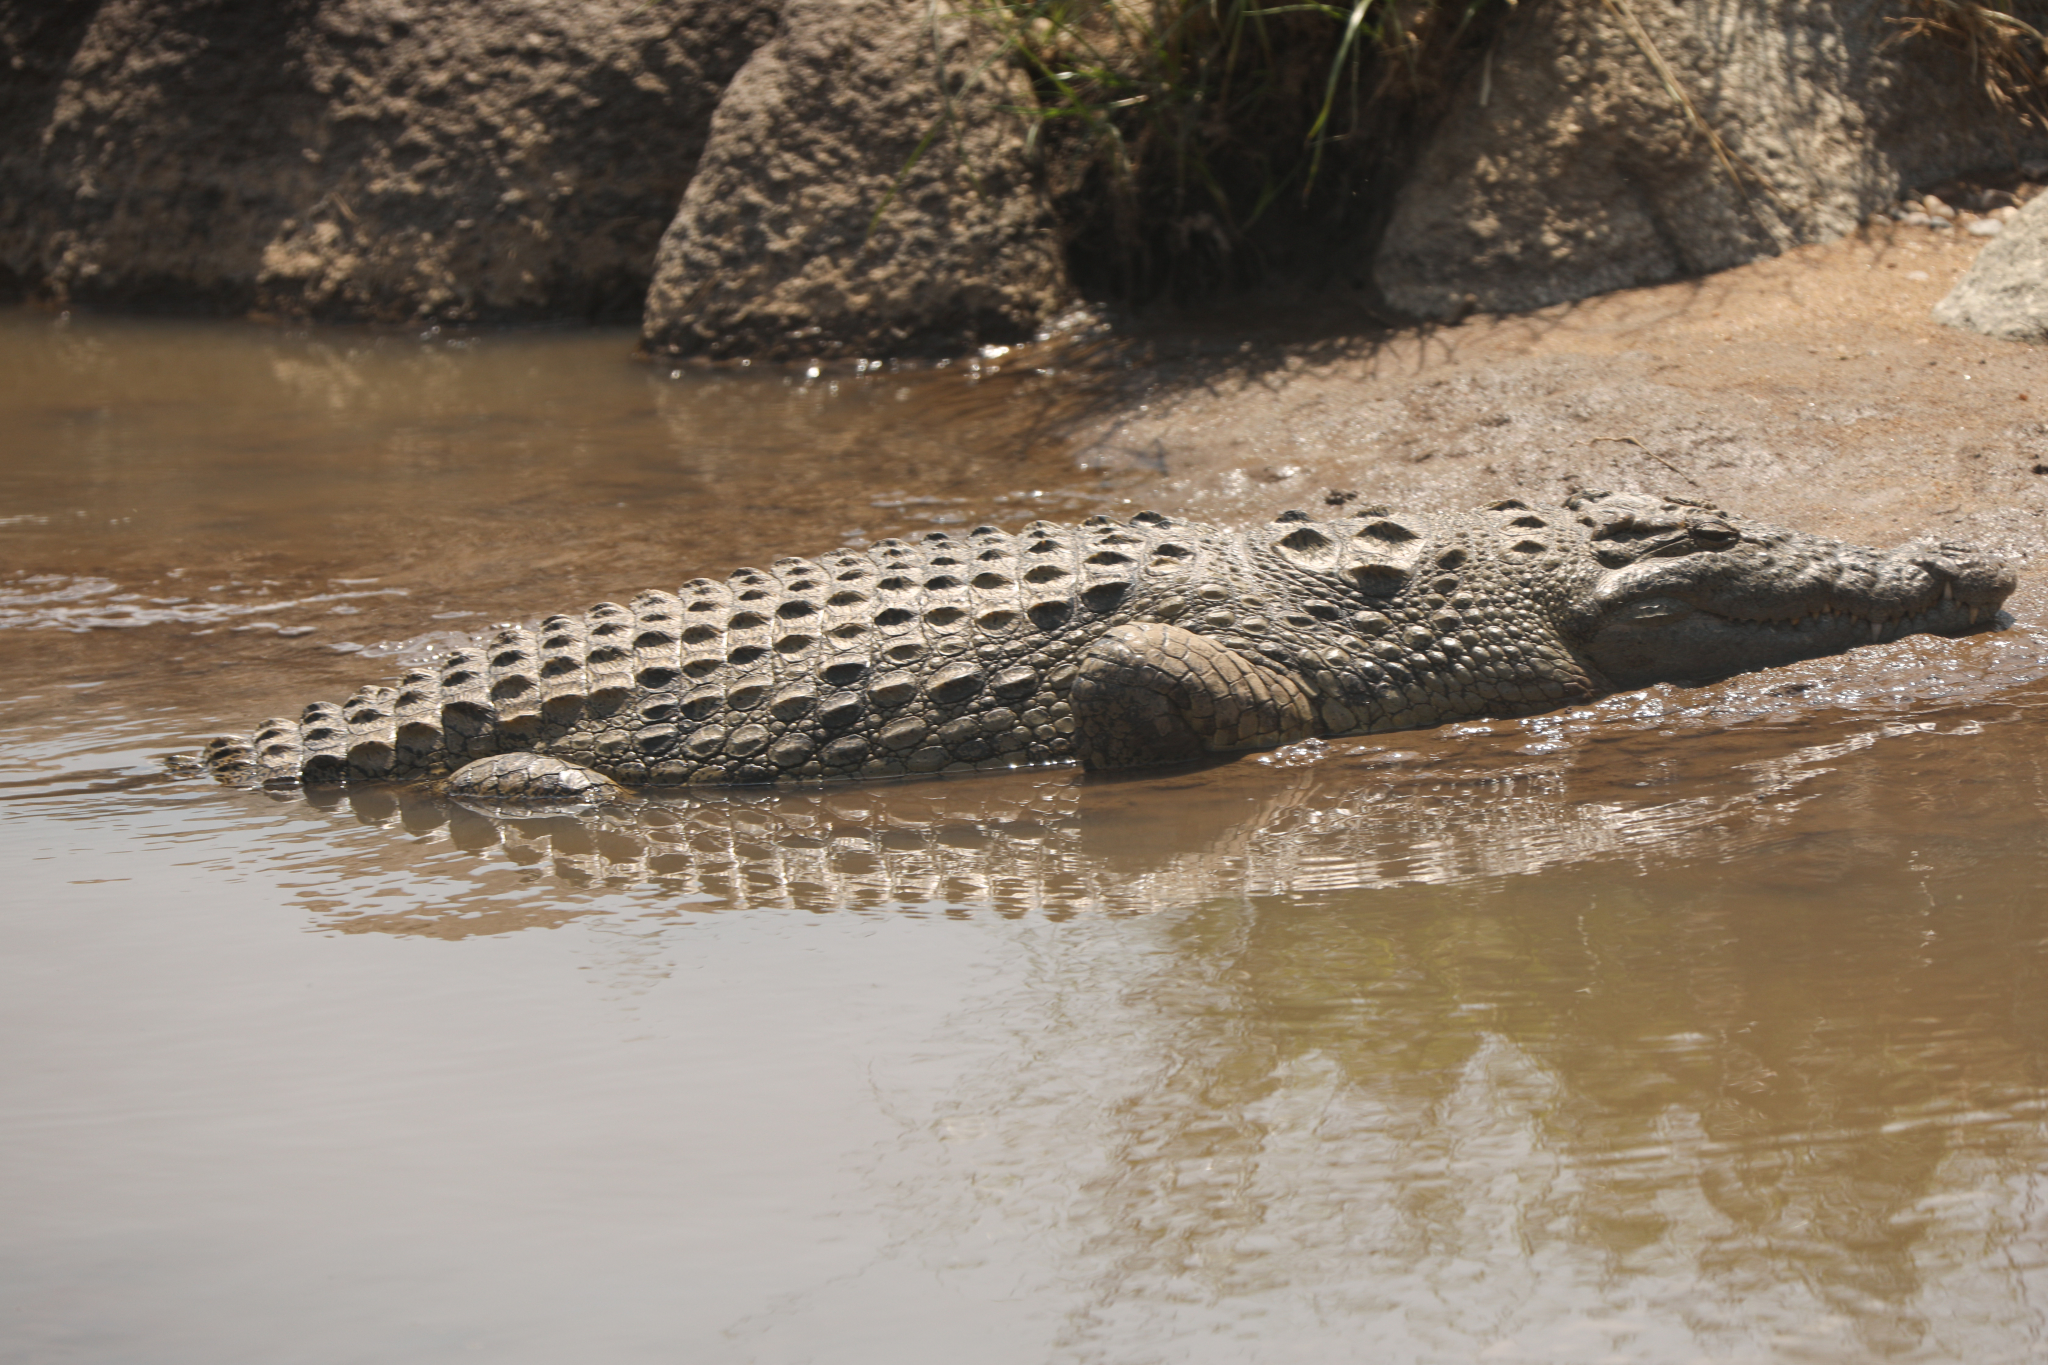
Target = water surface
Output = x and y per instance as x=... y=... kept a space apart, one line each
x=1697 y=1024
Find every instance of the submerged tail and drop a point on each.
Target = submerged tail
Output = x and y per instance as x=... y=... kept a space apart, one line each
x=522 y=689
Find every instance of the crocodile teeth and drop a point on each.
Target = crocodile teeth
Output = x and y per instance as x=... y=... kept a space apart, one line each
x=1876 y=630
x=1948 y=589
x=1973 y=616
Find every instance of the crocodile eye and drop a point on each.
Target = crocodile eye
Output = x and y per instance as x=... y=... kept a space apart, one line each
x=1714 y=533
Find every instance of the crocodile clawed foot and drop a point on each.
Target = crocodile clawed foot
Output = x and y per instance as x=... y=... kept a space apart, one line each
x=524 y=779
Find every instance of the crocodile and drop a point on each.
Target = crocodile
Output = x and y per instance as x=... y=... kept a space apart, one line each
x=1120 y=644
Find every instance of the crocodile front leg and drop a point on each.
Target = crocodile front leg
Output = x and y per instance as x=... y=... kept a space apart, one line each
x=1150 y=694
x=526 y=779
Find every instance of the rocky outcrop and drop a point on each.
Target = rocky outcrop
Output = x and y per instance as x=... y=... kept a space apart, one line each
x=853 y=202
x=358 y=159
x=1569 y=167
x=2005 y=293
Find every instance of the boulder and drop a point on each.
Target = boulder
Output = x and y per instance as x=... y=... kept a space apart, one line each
x=464 y=160
x=2005 y=293
x=1567 y=166
x=865 y=191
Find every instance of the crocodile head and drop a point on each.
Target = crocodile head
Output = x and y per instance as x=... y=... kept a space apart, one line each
x=1685 y=593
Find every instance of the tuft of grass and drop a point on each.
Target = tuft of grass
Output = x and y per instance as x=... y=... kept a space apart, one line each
x=1176 y=132
x=2008 y=54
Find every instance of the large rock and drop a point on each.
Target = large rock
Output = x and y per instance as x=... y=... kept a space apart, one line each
x=814 y=227
x=2005 y=293
x=1568 y=169
x=376 y=159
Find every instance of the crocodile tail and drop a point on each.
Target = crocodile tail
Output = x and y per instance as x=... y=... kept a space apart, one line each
x=521 y=689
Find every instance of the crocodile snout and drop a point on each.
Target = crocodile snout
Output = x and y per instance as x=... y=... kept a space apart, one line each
x=1967 y=574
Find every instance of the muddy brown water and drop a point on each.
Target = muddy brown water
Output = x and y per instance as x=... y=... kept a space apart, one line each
x=1695 y=1025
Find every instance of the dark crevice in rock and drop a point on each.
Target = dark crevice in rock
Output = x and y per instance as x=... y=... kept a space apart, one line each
x=37 y=44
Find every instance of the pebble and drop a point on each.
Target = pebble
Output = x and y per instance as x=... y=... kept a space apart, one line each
x=1932 y=212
